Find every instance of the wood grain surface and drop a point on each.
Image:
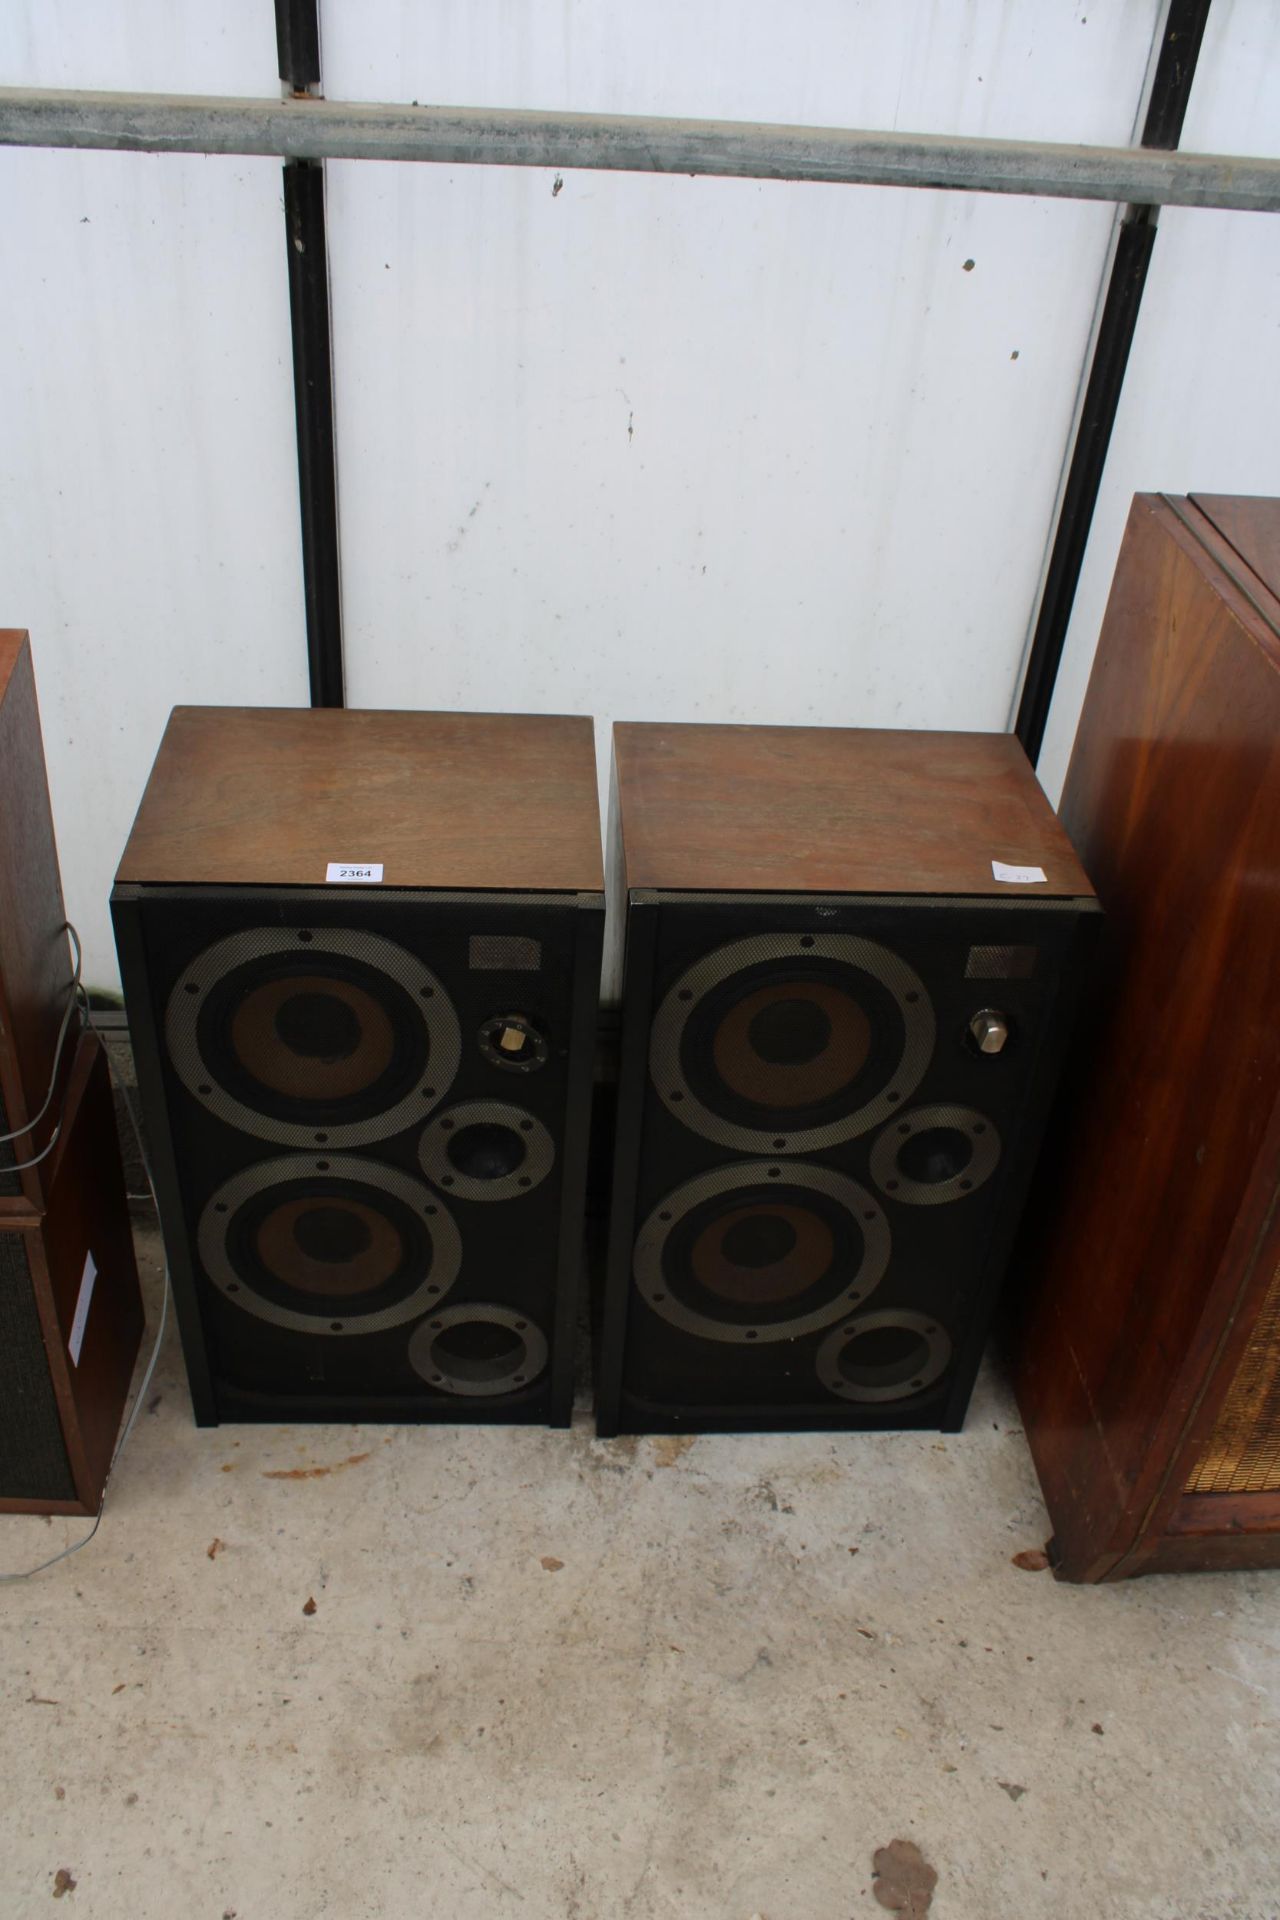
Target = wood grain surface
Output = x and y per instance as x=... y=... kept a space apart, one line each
x=268 y=796
x=35 y=958
x=87 y=1214
x=1252 y=528
x=834 y=810
x=1160 y=1204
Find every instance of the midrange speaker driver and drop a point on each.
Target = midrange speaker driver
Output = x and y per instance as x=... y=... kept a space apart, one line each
x=486 y=1150
x=935 y=1154
x=761 y=1251
x=322 y=1036
x=791 y=1042
x=336 y=1246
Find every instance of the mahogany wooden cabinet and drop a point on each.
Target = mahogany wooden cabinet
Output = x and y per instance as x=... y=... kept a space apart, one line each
x=1148 y=1365
x=70 y=1311
x=35 y=956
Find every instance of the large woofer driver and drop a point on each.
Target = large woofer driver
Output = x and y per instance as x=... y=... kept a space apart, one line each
x=886 y=1356
x=323 y=1036
x=334 y=1246
x=791 y=1042
x=761 y=1251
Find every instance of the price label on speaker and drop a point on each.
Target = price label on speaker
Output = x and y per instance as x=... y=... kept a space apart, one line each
x=354 y=873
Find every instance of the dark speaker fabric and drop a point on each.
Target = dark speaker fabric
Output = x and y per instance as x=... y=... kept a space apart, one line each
x=818 y=1168
x=372 y=1123
x=33 y=1456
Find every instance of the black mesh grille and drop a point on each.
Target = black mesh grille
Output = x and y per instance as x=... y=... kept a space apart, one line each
x=1000 y=963
x=33 y=1458
x=841 y=1022
x=504 y=953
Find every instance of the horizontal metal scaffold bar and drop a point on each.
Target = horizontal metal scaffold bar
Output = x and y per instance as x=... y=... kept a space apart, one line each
x=303 y=128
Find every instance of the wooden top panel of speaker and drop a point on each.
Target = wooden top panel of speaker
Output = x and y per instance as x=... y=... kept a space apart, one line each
x=1251 y=525
x=834 y=810
x=269 y=796
x=12 y=642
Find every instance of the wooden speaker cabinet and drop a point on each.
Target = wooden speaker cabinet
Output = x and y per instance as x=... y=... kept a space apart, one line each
x=35 y=958
x=852 y=959
x=1148 y=1369
x=70 y=1311
x=361 y=956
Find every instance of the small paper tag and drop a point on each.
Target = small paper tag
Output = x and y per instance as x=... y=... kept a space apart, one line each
x=354 y=873
x=1017 y=876
x=83 y=1298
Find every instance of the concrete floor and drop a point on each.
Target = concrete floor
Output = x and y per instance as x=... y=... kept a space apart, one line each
x=547 y=1676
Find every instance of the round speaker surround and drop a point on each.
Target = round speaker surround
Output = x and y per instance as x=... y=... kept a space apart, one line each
x=891 y=1355
x=935 y=1154
x=807 y=1035
x=759 y=1235
x=486 y=1150
x=358 y=1021
x=478 y=1349
x=342 y=1231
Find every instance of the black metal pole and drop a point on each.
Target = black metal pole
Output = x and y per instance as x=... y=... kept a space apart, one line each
x=298 y=38
x=1171 y=90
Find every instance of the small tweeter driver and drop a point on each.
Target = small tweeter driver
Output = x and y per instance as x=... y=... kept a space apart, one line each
x=512 y=1041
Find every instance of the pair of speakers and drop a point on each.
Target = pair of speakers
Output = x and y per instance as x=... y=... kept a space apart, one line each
x=361 y=953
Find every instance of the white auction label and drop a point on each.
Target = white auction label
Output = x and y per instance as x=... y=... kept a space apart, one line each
x=81 y=1316
x=1017 y=876
x=354 y=873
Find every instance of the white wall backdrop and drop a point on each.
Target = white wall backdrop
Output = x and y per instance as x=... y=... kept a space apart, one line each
x=636 y=446
x=662 y=448
x=1200 y=410
x=148 y=472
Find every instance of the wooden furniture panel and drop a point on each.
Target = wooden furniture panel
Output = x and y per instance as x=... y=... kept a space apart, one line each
x=268 y=796
x=88 y=1365
x=835 y=810
x=35 y=965
x=1156 y=1236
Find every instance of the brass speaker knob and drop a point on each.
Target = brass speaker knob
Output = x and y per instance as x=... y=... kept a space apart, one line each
x=989 y=1031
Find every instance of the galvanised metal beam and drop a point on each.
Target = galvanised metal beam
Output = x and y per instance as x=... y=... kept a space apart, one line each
x=314 y=129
